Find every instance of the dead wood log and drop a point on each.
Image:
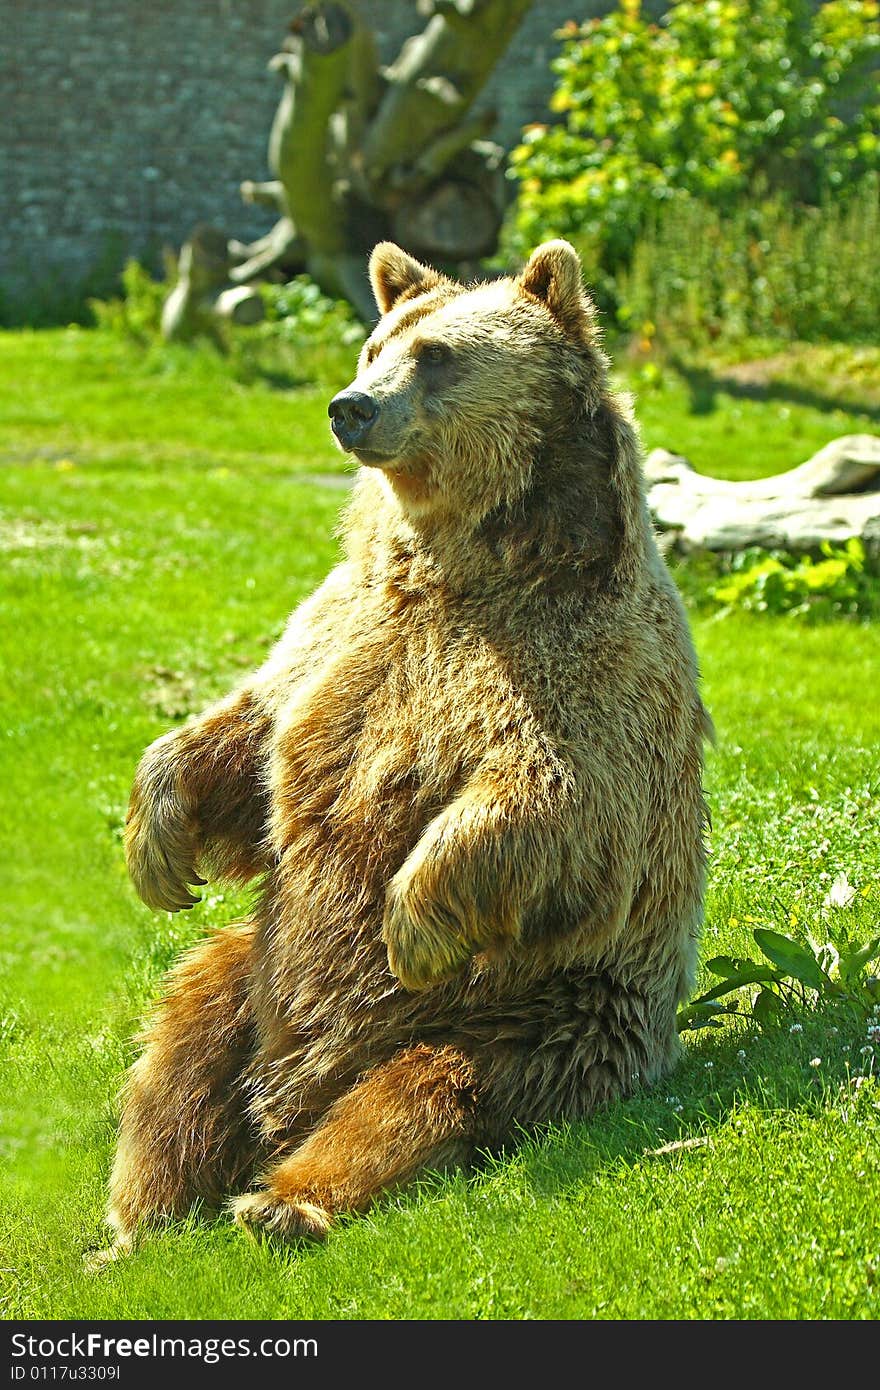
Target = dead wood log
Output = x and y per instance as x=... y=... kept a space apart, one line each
x=281 y=249
x=239 y=304
x=203 y=268
x=835 y=495
x=433 y=84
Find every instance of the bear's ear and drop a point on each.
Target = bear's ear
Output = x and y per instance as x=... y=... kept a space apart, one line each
x=393 y=272
x=553 y=275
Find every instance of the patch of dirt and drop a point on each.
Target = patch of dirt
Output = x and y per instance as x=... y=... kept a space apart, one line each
x=760 y=372
x=831 y=376
x=171 y=693
x=37 y=533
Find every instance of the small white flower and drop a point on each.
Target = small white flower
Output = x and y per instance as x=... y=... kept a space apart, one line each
x=866 y=1051
x=841 y=892
x=741 y=1055
x=709 y=1065
x=815 y=1062
x=796 y=1028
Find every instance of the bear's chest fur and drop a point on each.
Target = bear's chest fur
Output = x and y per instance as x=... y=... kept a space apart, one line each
x=384 y=733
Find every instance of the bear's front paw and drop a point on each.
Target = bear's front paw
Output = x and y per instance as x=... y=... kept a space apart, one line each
x=161 y=839
x=280 y=1217
x=426 y=944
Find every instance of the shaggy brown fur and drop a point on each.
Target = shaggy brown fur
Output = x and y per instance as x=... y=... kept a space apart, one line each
x=470 y=775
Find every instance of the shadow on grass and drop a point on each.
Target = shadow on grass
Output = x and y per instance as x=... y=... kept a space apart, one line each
x=704 y=386
x=719 y=1075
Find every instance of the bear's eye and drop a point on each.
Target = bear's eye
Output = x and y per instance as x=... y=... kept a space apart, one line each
x=435 y=352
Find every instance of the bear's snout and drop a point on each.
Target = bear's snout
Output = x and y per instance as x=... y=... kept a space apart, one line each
x=352 y=416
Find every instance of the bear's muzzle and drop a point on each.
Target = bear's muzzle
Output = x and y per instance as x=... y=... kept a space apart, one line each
x=352 y=416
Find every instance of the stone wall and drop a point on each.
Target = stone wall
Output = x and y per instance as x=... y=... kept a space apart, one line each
x=124 y=122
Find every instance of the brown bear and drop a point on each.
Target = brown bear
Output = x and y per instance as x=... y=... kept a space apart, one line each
x=469 y=776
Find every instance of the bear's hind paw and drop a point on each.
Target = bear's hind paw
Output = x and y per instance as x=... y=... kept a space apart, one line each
x=286 y=1220
x=96 y=1261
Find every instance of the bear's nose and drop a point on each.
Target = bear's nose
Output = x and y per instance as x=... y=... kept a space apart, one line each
x=352 y=414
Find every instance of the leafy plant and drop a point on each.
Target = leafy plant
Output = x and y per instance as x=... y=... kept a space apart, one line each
x=304 y=337
x=137 y=312
x=298 y=310
x=840 y=585
x=720 y=96
x=765 y=268
x=790 y=975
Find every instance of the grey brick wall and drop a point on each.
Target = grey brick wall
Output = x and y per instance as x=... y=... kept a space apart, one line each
x=124 y=122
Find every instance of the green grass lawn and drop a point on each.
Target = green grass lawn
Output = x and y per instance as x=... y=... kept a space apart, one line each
x=158 y=520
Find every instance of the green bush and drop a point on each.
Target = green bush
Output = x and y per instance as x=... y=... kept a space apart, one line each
x=304 y=337
x=137 y=311
x=765 y=269
x=299 y=312
x=720 y=95
x=790 y=976
x=840 y=585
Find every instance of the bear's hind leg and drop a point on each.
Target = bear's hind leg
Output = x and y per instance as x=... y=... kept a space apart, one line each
x=185 y=1132
x=412 y=1112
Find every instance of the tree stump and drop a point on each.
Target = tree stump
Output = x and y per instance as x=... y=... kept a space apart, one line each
x=833 y=496
x=359 y=153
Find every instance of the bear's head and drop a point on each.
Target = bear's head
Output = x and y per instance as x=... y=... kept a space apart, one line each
x=462 y=391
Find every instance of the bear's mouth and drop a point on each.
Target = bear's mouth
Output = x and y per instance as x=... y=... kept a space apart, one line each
x=372 y=457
